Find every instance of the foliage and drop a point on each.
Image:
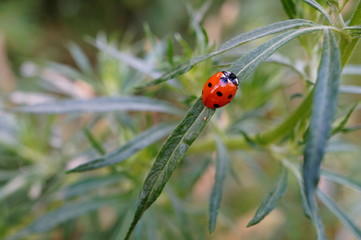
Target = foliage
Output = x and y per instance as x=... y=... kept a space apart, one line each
x=294 y=110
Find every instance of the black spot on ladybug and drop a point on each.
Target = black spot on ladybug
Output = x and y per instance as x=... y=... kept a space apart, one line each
x=216 y=105
x=219 y=94
x=230 y=96
x=209 y=84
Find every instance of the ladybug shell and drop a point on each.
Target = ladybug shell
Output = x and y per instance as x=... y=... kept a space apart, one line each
x=219 y=90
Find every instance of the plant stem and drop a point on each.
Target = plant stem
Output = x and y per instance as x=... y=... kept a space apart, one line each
x=346 y=45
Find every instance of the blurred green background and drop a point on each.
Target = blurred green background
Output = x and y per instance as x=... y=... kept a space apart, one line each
x=43 y=44
x=37 y=29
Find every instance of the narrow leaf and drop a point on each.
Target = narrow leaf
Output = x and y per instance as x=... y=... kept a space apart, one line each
x=80 y=58
x=222 y=162
x=181 y=211
x=234 y=42
x=270 y=201
x=351 y=69
x=290 y=8
x=350 y=89
x=96 y=145
x=103 y=104
x=344 y=218
x=318 y=7
x=323 y=111
x=169 y=157
x=87 y=185
x=249 y=62
x=341 y=126
x=138 y=143
x=345 y=181
x=13 y=185
x=296 y=172
x=137 y=63
x=60 y=215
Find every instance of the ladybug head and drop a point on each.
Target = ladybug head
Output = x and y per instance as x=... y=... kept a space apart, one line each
x=231 y=77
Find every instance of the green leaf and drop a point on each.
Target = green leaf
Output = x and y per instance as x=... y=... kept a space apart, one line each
x=270 y=201
x=67 y=71
x=180 y=210
x=222 y=166
x=13 y=185
x=80 y=59
x=346 y=181
x=96 y=145
x=249 y=62
x=351 y=89
x=318 y=7
x=138 y=143
x=169 y=157
x=234 y=42
x=322 y=115
x=346 y=45
x=195 y=172
x=87 y=185
x=62 y=214
x=341 y=126
x=103 y=104
x=296 y=172
x=344 y=218
x=352 y=69
x=132 y=61
x=290 y=8
x=279 y=59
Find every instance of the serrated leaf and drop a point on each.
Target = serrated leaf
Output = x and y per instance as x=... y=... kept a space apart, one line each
x=319 y=8
x=222 y=163
x=60 y=215
x=169 y=157
x=340 y=214
x=234 y=42
x=138 y=143
x=323 y=111
x=270 y=201
x=103 y=104
x=343 y=180
x=249 y=62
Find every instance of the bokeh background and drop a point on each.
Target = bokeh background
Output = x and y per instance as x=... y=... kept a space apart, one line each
x=43 y=44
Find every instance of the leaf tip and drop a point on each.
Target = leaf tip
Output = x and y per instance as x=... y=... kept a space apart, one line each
x=250 y=224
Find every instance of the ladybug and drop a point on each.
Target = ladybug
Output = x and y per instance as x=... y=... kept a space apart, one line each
x=220 y=89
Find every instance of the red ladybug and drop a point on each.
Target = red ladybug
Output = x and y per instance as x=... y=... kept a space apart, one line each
x=220 y=89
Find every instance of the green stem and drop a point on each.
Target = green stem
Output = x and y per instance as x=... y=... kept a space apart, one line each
x=347 y=45
x=336 y=14
x=302 y=112
x=238 y=143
